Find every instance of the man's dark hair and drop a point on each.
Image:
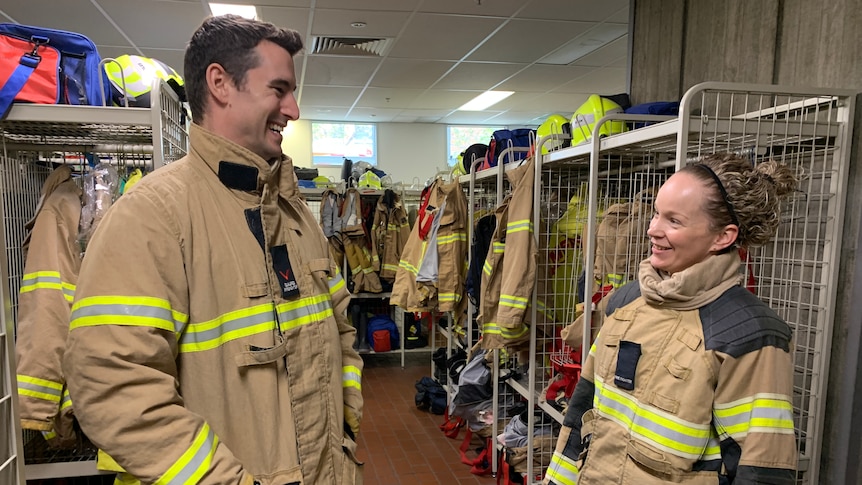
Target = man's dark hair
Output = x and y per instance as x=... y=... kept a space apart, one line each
x=228 y=40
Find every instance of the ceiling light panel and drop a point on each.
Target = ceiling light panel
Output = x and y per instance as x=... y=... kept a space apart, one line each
x=247 y=11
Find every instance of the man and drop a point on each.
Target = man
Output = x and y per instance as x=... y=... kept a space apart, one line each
x=208 y=342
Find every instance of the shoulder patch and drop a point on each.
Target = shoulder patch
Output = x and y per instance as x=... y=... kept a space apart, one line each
x=623 y=295
x=738 y=322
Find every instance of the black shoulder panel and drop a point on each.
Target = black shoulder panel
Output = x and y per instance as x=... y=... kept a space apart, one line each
x=623 y=295
x=738 y=323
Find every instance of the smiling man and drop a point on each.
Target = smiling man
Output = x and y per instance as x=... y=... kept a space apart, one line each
x=227 y=358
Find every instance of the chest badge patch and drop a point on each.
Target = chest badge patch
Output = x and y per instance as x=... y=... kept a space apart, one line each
x=281 y=266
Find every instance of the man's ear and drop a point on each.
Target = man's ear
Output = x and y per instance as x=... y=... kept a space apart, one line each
x=219 y=83
x=726 y=237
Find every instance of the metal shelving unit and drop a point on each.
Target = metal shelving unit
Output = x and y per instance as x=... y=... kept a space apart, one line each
x=30 y=136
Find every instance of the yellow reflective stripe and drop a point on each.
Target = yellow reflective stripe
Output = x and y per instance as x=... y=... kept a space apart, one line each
x=390 y=267
x=514 y=301
x=38 y=388
x=307 y=310
x=761 y=413
x=486 y=268
x=448 y=297
x=504 y=331
x=408 y=267
x=138 y=311
x=66 y=402
x=225 y=328
x=351 y=376
x=49 y=435
x=562 y=470
x=616 y=280
x=194 y=462
x=452 y=238
x=651 y=425
x=47 y=280
x=519 y=226
x=336 y=283
x=498 y=247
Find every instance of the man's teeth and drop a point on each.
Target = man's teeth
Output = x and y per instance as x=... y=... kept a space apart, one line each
x=276 y=128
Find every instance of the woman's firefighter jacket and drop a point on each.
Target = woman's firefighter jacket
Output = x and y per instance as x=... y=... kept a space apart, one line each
x=52 y=260
x=442 y=286
x=689 y=381
x=389 y=233
x=509 y=272
x=208 y=341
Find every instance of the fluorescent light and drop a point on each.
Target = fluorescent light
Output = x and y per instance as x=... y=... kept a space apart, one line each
x=247 y=11
x=485 y=100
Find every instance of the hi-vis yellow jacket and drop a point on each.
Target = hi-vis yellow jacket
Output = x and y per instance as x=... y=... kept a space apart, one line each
x=52 y=261
x=208 y=341
x=689 y=381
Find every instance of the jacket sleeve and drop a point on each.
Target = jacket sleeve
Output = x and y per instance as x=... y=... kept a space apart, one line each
x=565 y=462
x=351 y=362
x=44 y=305
x=131 y=306
x=753 y=414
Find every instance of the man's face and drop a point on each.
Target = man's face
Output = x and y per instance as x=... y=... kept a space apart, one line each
x=261 y=108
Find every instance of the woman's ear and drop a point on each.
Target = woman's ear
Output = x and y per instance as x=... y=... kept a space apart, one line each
x=726 y=237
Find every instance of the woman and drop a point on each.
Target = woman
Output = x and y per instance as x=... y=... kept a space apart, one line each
x=690 y=378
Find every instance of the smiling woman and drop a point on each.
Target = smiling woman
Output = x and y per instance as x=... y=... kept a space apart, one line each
x=687 y=362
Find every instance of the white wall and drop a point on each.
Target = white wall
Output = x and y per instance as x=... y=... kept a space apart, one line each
x=406 y=150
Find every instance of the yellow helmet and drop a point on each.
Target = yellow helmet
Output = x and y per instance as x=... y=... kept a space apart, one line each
x=585 y=117
x=138 y=73
x=370 y=180
x=555 y=124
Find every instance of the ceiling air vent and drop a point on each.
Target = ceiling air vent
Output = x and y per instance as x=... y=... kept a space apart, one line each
x=349 y=46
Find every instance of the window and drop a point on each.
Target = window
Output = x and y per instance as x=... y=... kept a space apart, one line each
x=331 y=143
x=461 y=137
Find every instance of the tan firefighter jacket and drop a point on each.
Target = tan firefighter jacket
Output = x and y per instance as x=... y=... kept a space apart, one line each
x=447 y=294
x=208 y=341
x=691 y=377
x=509 y=272
x=389 y=233
x=52 y=260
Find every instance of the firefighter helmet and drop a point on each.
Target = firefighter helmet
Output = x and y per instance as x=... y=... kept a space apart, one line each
x=132 y=77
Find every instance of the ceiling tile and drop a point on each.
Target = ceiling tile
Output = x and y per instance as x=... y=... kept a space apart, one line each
x=443 y=98
x=174 y=21
x=585 y=10
x=423 y=38
x=295 y=18
x=606 y=54
x=410 y=74
x=388 y=98
x=478 y=75
x=527 y=40
x=495 y=8
x=608 y=80
x=73 y=15
x=377 y=5
x=562 y=103
x=339 y=71
x=543 y=77
x=324 y=114
x=470 y=117
x=329 y=97
x=336 y=22
x=374 y=115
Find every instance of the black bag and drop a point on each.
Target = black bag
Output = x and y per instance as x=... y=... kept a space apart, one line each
x=305 y=173
x=430 y=396
x=476 y=151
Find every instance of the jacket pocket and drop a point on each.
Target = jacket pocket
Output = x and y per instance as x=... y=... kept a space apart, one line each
x=608 y=355
x=293 y=476
x=645 y=464
x=351 y=472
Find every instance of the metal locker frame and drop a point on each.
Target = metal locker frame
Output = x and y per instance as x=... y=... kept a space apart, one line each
x=808 y=128
x=130 y=137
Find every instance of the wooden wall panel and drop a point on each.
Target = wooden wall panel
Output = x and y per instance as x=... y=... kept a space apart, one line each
x=656 y=50
x=729 y=40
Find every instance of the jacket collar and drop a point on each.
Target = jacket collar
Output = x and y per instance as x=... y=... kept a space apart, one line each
x=692 y=287
x=238 y=168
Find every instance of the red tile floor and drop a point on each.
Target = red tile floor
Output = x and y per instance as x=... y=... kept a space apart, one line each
x=399 y=443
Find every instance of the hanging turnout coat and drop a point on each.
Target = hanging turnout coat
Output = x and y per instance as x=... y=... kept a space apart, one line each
x=447 y=294
x=52 y=260
x=389 y=233
x=208 y=341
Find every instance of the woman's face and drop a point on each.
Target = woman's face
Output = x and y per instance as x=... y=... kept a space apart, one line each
x=679 y=232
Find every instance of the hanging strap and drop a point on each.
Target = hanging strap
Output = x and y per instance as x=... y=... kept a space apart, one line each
x=26 y=65
x=451 y=427
x=481 y=465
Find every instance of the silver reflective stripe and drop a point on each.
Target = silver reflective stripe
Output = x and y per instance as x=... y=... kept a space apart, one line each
x=200 y=333
x=305 y=311
x=119 y=311
x=54 y=394
x=562 y=470
x=652 y=425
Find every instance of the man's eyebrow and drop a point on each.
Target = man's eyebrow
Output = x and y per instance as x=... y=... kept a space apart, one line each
x=283 y=83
